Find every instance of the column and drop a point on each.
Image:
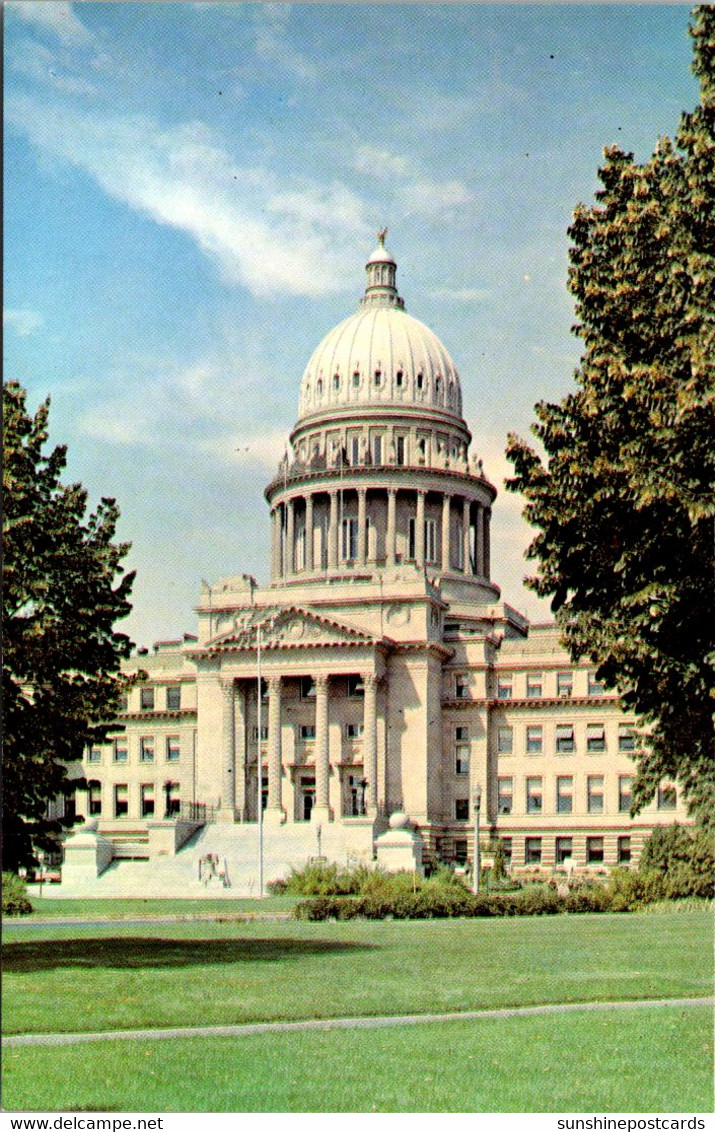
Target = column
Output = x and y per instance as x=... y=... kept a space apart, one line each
x=274 y=811
x=420 y=531
x=481 y=569
x=275 y=544
x=391 y=537
x=369 y=741
x=228 y=747
x=333 y=532
x=309 y=532
x=466 y=508
x=487 y=552
x=321 y=809
x=362 y=531
x=290 y=538
x=446 y=501
x=239 y=732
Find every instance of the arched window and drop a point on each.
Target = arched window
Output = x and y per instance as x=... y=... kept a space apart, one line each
x=336 y=381
x=437 y=386
x=319 y=387
x=398 y=378
x=378 y=377
x=356 y=378
x=420 y=381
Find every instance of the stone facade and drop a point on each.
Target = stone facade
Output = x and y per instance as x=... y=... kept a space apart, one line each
x=393 y=678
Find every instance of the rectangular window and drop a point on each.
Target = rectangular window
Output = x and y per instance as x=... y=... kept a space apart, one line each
x=564 y=849
x=595 y=687
x=356 y=688
x=430 y=540
x=533 y=796
x=595 y=794
x=594 y=850
x=354 y=730
x=625 y=784
x=307 y=731
x=624 y=850
x=94 y=798
x=626 y=738
x=506 y=844
x=146 y=699
x=94 y=755
x=121 y=802
x=173 y=698
x=120 y=750
x=147 y=800
x=264 y=732
x=534 y=740
x=504 y=687
x=505 y=740
x=350 y=539
x=146 y=750
x=173 y=748
x=461 y=759
x=411 y=539
x=533 y=685
x=377 y=449
x=532 y=850
x=564 y=683
x=505 y=795
x=123 y=702
x=595 y=738
x=400 y=450
x=564 y=795
x=564 y=739
x=461 y=687
x=460 y=852
x=667 y=798
x=461 y=734
x=355 y=451
x=173 y=801
x=461 y=809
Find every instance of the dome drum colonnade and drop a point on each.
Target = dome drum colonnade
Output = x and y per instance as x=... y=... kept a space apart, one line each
x=381 y=474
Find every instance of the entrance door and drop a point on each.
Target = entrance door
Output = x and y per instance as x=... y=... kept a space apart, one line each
x=308 y=803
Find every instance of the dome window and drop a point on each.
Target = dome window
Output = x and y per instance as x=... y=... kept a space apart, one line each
x=319 y=387
x=437 y=386
x=356 y=378
x=420 y=380
x=378 y=377
x=336 y=381
x=398 y=379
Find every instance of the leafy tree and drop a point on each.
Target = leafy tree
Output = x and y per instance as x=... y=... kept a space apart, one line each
x=61 y=654
x=624 y=500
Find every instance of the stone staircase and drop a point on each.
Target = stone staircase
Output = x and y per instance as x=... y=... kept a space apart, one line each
x=235 y=848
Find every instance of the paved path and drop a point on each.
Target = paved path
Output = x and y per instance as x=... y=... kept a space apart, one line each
x=369 y=1023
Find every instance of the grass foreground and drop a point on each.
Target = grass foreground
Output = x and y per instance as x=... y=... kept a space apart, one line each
x=120 y=976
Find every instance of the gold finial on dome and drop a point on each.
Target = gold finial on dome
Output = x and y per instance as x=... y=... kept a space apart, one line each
x=381 y=236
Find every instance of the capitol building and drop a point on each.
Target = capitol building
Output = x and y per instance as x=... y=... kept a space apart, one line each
x=392 y=675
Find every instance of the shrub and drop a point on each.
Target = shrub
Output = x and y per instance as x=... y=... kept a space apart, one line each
x=684 y=859
x=14 y=896
x=319 y=879
x=537 y=900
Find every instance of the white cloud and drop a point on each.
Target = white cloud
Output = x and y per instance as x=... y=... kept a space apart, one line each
x=37 y=62
x=416 y=193
x=462 y=294
x=248 y=448
x=55 y=17
x=271 y=236
x=273 y=46
x=22 y=320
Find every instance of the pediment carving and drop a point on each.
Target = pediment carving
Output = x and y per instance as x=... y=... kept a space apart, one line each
x=286 y=627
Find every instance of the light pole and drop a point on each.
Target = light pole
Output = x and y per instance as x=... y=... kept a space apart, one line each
x=259 y=763
x=477 y=807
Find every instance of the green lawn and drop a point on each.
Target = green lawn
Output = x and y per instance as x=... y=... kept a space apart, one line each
x=639 y=1060
x=131 y=909
x=185 y=974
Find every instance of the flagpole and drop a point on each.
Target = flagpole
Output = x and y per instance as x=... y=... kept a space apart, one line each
x=259 y=765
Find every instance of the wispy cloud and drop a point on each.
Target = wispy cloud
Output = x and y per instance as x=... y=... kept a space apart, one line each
x=273 y=45
x=55 y=17
x=22 y=320
x=417 y=193
x=271 y=235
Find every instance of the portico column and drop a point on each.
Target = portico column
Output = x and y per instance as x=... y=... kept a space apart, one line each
x=445 y=533
x=309 y=532
x=333 y=532
x=480 y=540
x=321 y=809
x=274 y=810
x=362 y=532
x=370 y=739
x=290 y=538
x=391 y=526
x=465 y=534
x=228 y=752
x=420 y=531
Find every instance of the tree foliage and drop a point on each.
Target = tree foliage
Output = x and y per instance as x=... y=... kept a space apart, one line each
x=63 y=591
x=624 y=500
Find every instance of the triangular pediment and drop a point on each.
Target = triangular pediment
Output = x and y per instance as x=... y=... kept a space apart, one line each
x=287 y=627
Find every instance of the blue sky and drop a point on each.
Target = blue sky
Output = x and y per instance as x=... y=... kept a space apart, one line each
x=191 y=192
